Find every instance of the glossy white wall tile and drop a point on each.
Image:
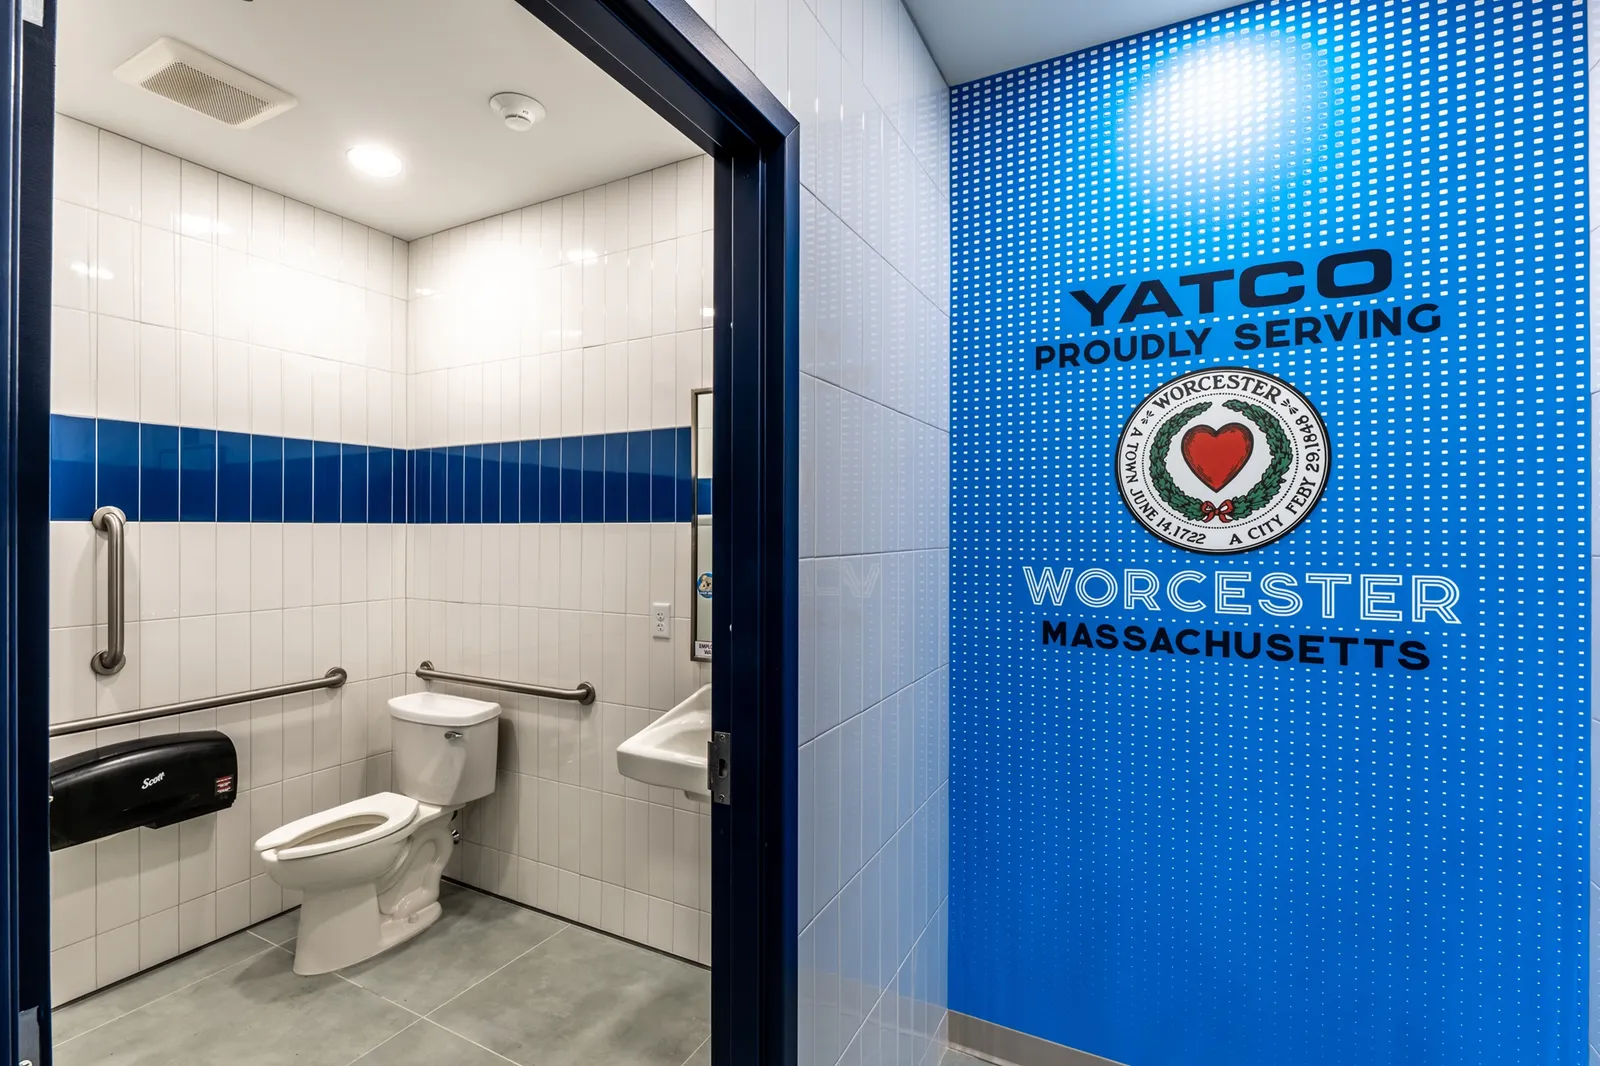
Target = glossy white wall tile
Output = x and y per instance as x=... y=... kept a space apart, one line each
x=874 y=517
x=203 y=306
x=582 y=315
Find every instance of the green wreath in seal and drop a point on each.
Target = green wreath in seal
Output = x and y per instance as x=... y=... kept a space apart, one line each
x=1242 y=506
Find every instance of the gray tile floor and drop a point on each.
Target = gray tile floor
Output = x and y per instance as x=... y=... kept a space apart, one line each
x=490 y=983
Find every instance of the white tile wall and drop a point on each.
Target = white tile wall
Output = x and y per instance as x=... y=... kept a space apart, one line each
x=581 y=315
x=186 y=297
x=874 y=528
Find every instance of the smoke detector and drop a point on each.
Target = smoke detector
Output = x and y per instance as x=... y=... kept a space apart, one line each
x=518 y=111
x=185 y=75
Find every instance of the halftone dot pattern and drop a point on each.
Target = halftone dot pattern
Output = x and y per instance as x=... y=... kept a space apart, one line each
x=1176 y=861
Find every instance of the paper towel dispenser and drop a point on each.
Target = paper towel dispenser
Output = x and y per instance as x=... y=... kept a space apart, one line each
x=151 y=782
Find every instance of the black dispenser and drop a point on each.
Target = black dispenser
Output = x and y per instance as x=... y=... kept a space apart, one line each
x=151 y=782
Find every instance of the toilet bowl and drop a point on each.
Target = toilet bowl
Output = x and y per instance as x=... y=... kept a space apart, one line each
x=369 y=870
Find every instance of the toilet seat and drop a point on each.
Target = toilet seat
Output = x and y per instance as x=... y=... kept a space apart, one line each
x=348 y=825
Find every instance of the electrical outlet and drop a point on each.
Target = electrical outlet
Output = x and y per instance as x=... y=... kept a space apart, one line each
x=661 y=620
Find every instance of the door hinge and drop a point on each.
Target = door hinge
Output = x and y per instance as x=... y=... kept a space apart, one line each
x=718 y=756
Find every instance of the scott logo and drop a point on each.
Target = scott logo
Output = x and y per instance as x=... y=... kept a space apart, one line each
x=156 y=780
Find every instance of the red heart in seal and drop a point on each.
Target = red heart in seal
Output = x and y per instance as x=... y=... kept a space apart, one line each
x=1217 y=455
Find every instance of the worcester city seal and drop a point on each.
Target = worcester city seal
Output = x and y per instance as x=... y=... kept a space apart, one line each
x=1223 y=460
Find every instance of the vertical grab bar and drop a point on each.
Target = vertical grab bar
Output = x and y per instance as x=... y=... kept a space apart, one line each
x=114 y=524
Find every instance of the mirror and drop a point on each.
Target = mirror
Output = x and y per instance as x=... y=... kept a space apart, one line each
x=701 y=548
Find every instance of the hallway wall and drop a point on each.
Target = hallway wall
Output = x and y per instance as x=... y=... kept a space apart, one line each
x=1198 y=821
x=228 y=367
x=874 y=507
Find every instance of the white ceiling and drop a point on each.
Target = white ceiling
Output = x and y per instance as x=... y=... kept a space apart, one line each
x=413 y=75
x=972 y=39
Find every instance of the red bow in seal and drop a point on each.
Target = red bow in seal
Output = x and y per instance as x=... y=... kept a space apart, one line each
x=1209 y=510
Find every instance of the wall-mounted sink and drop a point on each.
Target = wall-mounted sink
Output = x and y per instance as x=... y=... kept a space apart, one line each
x=671 y=751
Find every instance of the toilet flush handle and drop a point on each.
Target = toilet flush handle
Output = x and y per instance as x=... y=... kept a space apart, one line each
x=453 y=734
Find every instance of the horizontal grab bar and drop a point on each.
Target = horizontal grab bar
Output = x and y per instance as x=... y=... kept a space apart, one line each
x=332 y=679
x=583 y=694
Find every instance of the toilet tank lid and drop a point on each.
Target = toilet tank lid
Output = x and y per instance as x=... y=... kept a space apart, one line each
x=435 y=708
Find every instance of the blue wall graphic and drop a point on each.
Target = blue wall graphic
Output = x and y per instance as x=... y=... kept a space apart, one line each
x=1270 y=728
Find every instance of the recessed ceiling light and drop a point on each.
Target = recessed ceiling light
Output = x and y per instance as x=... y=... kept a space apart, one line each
x=373 y=160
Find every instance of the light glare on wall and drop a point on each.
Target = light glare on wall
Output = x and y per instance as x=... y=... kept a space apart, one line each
x=203 y=226
x=97 y=272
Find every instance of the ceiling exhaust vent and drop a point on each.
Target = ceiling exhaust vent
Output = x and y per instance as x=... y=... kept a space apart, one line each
x=204 y=83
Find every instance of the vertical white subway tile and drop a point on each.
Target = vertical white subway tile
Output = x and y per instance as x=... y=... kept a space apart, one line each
x=297 y=565
x=115 y=274
x=197 y=391
x=266 y=566
x=736 y=25
x=72 y=363
x=158 y=375
x=159 y=853
x=197 y=198
x=772 y=46
x=233 y=385
x=266 y=224
x=233 y=214
x=196 y=285
x=72 y=895
x=377 y=270
x=266 y=648
x=328 y=246
x=233 y=568
x=120 y=172
x=116 y=881
x=159 y=189
x=353 y=253
x=197 y=657
x=77 y=164
x=299 y=235
x=325 y=397
x=74 y=233
x=159 y=573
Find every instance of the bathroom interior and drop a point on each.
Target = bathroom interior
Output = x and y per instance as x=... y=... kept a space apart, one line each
x=387 y=341
x=363 y=370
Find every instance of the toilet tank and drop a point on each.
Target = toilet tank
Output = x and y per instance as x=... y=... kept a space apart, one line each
x=445 y=747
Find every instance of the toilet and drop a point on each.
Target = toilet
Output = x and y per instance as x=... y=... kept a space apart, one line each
x=369 y=870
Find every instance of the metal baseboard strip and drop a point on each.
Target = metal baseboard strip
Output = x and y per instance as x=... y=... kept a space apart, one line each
x=1007 y=1047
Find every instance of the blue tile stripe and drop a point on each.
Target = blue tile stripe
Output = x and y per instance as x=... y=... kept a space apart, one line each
x=159 y=473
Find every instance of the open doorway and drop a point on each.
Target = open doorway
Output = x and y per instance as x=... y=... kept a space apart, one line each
x=429 y=424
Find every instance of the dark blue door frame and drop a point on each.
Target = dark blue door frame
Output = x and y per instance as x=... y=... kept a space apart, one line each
x=665 y=54
x=668 y=57
x=29 y=143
